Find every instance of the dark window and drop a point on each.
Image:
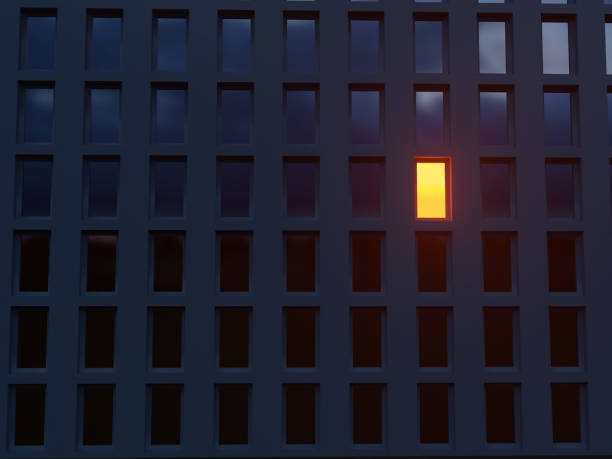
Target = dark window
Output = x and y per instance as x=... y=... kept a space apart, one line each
x=564 y=337
x=608 y=32
x=35 y=184
x=365 y=44
x=301 y=261
x=497 y=269
x=497 y=187
x=492 y=46
x=234 y=337
x=38 y=50
x=300 y=336
x=101 y=262
x=105 y=41
x=494 y=117
x=500 y=413
x=32 y=338
x=104 y=114
x=233 y=412
x=433 y=409
x=499 y=336
x=37 y=114
x=98 y=407
x=234 y=176
x=99 y=338
x=367 y=336
x=168 y=262
x=566 y=414
x=367 y=182
x=366 y=251
x=167 y=336
x=235 y=115
x=102 y=187
x=170 y=41
x=301 y=54
x=236 y=44
x=367 y=413
x=433 y=337
x=562 y=267
x=610 y=114
x=234 y=262
x=301 y=413
x=301 y=106
x=555 y=47
x=432 y=251
x=168 y=177
x=34 y=261
x=166 y=407
x=301 y=183
x=170 y=113
x=29 y=415
x=558 y=121
x=429 y=117
x=365 y=116
x=429 y=46
x=561 y=181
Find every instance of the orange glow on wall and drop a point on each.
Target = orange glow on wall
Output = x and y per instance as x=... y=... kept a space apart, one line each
x=431 y=189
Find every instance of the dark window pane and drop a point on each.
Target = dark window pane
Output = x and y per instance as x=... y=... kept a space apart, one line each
x=38 y=114
x=610 y=118
x=99 y=338
x=236 y=40
x=433 y=343
x=168 y=263
x=169 y=188
x=104 y=115
x=499 y=337
x=365 y=117
x=235 y=115
x=367 y=262
x=366 y=188
x=367 y=414
x=234 y=263
x=497 y=261
x=98 y=404
x=166 y=407
x=365 y=36
x=560 y=189
x=493 y=118
x=555 y=47
x=429 y=117
x=301 y=262
x=432 y=262
x=234 y=337
x=428 y=46
x=235 y=187
x=558 y=118
x=103 y=188
x=566 y=413
x=492 y=46
x=34 y=263
x=32 y=339
x=170 y=115
x=29 y=415
x=561 y=262
x=233 y=409
x=433 y=401
x=36 y=188
x=496 y=188
x=564 y=338
x=500 y=413
x=301 y=182
x=300 y=414
x=300 y=116
x=105 y=43
x=300 y=337
x=367 y=337
x=300 y=51
x=167 y=335
x=101 y=262
x=171 y=43
x=40 y=48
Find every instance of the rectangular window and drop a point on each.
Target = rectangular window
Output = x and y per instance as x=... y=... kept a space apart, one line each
x=501 y=326
x=431 y=116
x=103 y=112
x=433 y=259
x=301 y=113
x=433 y=194
x=36 y=113
x=557 y=37
x=170 y=112
x=367 y=260
x=98 y=337
x=38 y=39
x=492 y=43
x=33 y=250
x=104 y=35
x=608 y=32
x=367 y=413
x=101 y=256
x=101 y=188
x=301 y=42
x=234 y=250
x=430 y=33
x=560 y=127
x=300 y=414
x=501 y=403
x=233 y=328
x=34 y=186
x=235 y=113
x=234 y=186
x=301 y=261
x=567 y=412
x=367 y=177
x=497 y=187
x=562 y=185
x=166 y=405
x=368 y=331
x=366 y=32
x=233 y=414
x=168 y=178
x=301 y=186
x=435 y=327
x=166 y=325
x=30 y=337
x=496 y=118
x=236 y=32
x=498 y=268
x=366 y=121
x=168 y=252
x=97 y=416
x=609 y=97
x=29 y=422
x=566 y=336
x=301 y=337
x=170 y=40
x=563 y=261
x=434 y=407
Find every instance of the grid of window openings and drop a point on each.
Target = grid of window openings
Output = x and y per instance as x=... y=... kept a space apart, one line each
x=306 y=226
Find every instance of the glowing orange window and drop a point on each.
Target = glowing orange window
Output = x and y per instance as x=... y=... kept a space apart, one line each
x=432 y=179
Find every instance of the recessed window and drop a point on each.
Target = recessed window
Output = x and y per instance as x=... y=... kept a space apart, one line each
x=491 y=1
x=497 y=187
x=34 y=186
x=29 y=421
x=101 y=187
x=170 y=112
x=367 y=176
x=103 y=113
x=101 y=256
x=98 y=334
x=500 y=336
x=33 y=249
x=366 y=123
x=434 y=325
x=168 y=253
x=301 y=261
x=608 y=32
x=36 y=115
x=170 y=40
x=300 y=414
x=168 y=177
x=566 y=336
x=559 y=124
x=236 y=41
x=105 y=33
x=38 y=39
x=97 y=416
x=301 y=42
x=234 y=261
x=430 y=116
x=562 y=181
x=563 y=267
x=367 y=336
x=301 y=187
x=234 y=335
x=609 y=97
x=166 y=406
x=433 y=188
x=234 y=185
x=434 y=419
x=497 y=261
x=30 y=337
x=556 y=56
x=166 y=337
x=501 y=400
x=301 y=114
x=567 y=412
x=367 y=413
x=233 y=414
x=366 y=257
x=433 y=253
x=429 y=44
x=365 y=35
x=301 y=337
x=495 y=121
x=557 y=2
x=235 y=116
x=493 y=56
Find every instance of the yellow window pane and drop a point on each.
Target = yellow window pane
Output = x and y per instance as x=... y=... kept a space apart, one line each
x=431 y=190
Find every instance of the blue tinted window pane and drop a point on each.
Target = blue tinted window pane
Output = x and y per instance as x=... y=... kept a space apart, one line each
x=428 y=46
x=235 y=188
x=36 y=188
x=491 y=1
x=429 y=117
x=170 y=116
x=169 y=192
x=105 y=43
x=40 y=47
x=236 y=115
x=495 y=183
x=365 y=117
x=301 y=185
x=364 y=45
x=492 y=46
x=560 y=201
x=366 y=188
x=610 y=118
x=104 y=113
x=301 y=55
x=301 y=116
x=171 y=43
x=609 y=48
x=236 y=41
x=38 y=114
x=558 y=118
x=555 y=51
x=103 y=188
x=493 y=118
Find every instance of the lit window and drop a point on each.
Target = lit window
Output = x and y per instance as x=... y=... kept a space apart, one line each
x=432 y=188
